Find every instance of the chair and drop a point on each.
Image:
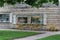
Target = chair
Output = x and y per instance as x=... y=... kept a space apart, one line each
x=52 y=27
x=24 y=26
x=17 y=25
x=37 y=27
x=30 y=26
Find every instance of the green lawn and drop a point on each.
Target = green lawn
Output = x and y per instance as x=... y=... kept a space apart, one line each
x=9 y=35
x=54 y=37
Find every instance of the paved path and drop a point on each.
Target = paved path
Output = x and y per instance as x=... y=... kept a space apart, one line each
x=39 y=36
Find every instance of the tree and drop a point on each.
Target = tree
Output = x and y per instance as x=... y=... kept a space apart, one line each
x=33 y=3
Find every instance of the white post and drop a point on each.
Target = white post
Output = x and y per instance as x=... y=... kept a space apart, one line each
x=14 y=19
x=44 y=19
x=29 y=20
x=10 y=17
x=59 y=2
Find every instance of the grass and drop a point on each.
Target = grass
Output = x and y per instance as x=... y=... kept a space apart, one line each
x=9 y=35
x=53 y=37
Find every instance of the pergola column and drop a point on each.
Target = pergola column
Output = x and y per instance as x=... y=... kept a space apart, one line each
x=59 y=2
x=14 y=19
x=29 y=20
x=44 y=19
x=10 y=17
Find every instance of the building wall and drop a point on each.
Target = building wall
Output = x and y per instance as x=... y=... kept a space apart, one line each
x=5 y=25
x=53 y=15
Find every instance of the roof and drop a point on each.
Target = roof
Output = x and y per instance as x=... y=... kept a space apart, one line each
x=21 y=6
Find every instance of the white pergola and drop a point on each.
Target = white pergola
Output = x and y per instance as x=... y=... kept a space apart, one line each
x=59 y=2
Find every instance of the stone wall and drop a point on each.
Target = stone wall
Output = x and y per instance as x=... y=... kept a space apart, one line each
x=5 y=25
x=53 y=19
x=53 y=13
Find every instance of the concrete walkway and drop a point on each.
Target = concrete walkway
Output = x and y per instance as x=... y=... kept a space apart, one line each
x=39 y=36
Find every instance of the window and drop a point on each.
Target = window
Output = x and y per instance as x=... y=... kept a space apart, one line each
x=36 y=19
x=4 y=17
x=22 y=19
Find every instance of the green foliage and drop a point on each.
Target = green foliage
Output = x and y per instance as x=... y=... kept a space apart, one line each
x=56 y=2
x=33 y=3
x=2 y=3
x=19 y=1
x=10 y=1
